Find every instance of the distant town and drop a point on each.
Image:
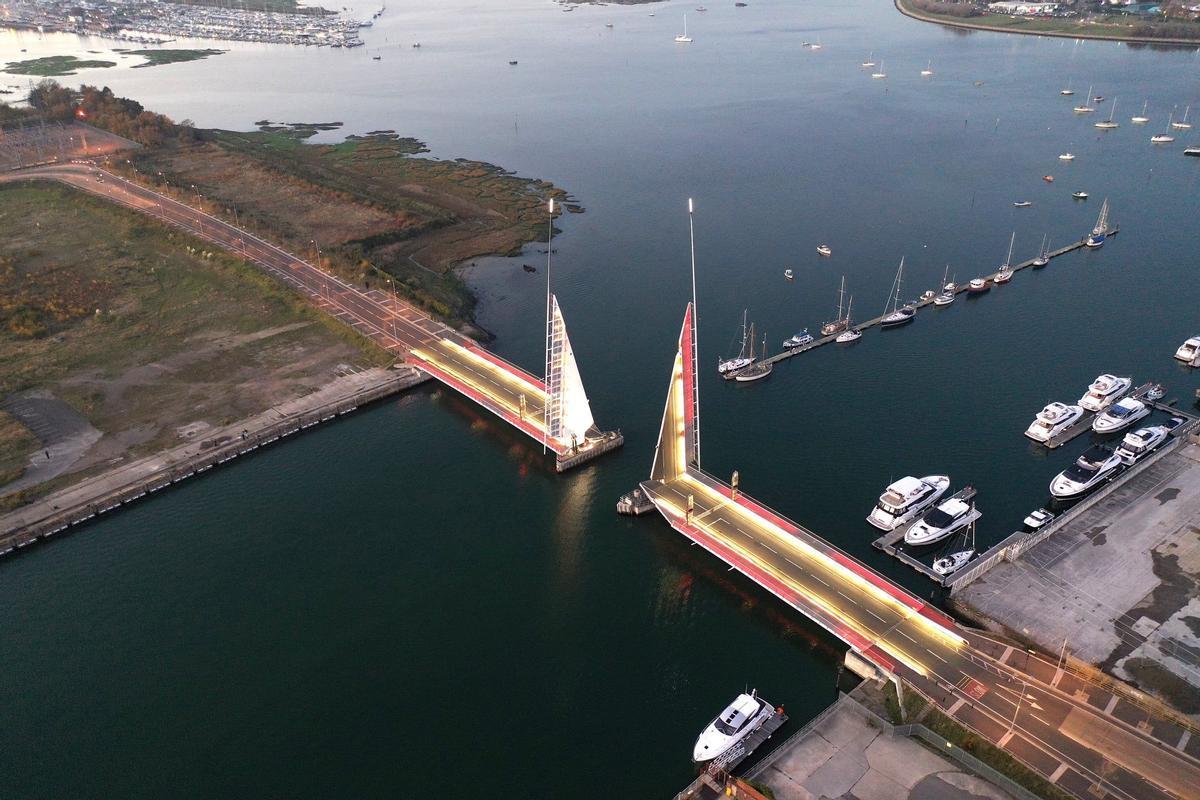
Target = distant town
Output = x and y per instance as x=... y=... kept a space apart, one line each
x=1176 y=21
x=157 y=22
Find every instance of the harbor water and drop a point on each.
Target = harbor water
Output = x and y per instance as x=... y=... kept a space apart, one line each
x=409 y=599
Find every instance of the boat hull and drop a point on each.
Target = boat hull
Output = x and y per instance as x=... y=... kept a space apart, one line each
x=888 y=322
x=1097 y=240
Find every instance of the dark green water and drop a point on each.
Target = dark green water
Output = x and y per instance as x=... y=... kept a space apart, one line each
x=409 y=600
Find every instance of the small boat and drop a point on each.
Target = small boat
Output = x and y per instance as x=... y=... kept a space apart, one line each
x=1183 y=125
x=1037 y=519
x=1048 y=178
x=1080 y=195
x=529 y=267
x=1067 y=157
x=839 y=323
x=1100 y=231
x=683 y=38
x=1022 y=203
x=512 y=63
x=1067 y=92
x=1141 y=442
x=824 y=249
x=745 y=356
x=416 y=44
x=1119 y=415
x=928 y=294
x=1087 y=106
x=799 y=340
x=376 y=58
x=870 y=62
x=851 y=335
x=1156 y=392
x=944 y=299
x=905 y=499
x=1192 y=151
x=1053 y=420
x=1110 y=123
x=925 y=73
x=899 y=315
x=787 y=273
x=1043 y=256
x=1091 y=469
x=880 y=73
x=1141 y=119
x=756 y=371
x=740 y=718
x=949 y=517
x=1104 y=391
x=608 y=24
x=1189 y=352
x=1165 y=138
x=953 y=562
x=978 y=286
x=1098 y=98
x=1006 y=271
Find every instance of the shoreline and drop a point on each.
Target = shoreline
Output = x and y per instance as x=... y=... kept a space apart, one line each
x=923 y=16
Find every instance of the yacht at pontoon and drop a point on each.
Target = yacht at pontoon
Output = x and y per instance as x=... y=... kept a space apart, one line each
x=948 y=517
x=1139 y=443
x=904 y=499
x=739 y=719
x=1104 y=391
x=1120 y=414
x=1053 y=420
x=1091 y=469
x=1189 y=352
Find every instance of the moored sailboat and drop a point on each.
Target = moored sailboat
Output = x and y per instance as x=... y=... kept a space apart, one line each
x=840 y=323
x=1043 y=257
x=1100 y=233
x=1006 y=271
x=899 y=315
x=745 y=356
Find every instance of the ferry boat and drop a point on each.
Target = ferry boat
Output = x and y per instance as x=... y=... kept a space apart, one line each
x=824 y=249
x=1053 y=420
x=1104 y=391
x=906 y=498
x=740 y=718
x=1100 y=233
x=1090 y=470
x=799 y=340
x=1141 y=442
x=1043 y=256
x=1120 y=414
x=899 y=315
x=745 y=356
x=839 y=323
x=947 y=518
x=1038 y=518
x=1189 y=352
x=978 y=286
x=949 y=564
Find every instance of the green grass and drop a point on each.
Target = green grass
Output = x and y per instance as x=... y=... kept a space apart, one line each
x=156 y=58
x=53 y=66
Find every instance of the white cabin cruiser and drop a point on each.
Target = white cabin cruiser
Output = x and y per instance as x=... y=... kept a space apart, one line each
x=1090 y=470
x=1141 y=442
x=799 y=340
x=904 y=499
x=1120 y=414
x=1104 y=391
x=739 y=719
x=1189 y=351
x=949 y=517
x=1053 y=420
x=1037 y=519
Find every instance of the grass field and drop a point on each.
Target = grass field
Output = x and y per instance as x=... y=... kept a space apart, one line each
x=53 y=66
x=144 y=332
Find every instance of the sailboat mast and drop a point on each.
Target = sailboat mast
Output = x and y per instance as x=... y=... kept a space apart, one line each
x=841 y=296
x=695 y=315
x=1011 y=242
x=899 y=278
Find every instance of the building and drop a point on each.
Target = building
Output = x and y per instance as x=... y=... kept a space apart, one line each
x=1022 y=8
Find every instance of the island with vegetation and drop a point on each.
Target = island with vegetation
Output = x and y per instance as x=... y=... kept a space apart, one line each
x=54 y=66
x=1171 y=22
x=158 y=57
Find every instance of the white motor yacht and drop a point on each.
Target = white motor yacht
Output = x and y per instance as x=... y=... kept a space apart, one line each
x=799 y=340
x=1120 y=414
x=1189 y=352
x=1037 y=519
x=944 y=299
x=739 y=719
x=904 y=499
x=949 y=517
x=1053 y=420
x=1104 y=391
x=1089 y=471
x=1139 y=443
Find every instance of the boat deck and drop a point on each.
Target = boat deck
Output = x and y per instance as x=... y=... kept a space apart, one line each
x=1085 y=422
x=892 y=542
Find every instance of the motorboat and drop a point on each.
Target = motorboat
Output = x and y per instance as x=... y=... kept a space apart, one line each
x=978 y=286
x=824 y=249
x=944 y=299
x=739 y=719
x=787 y=273
x=1119 y=415
x=1192 y=151
x=1189 y=352
x=799 y=340
x=1067 y=157
x=683 y=38
x=1080 y=195
x=928 y=294
x=1104 y=391
x=839 y=323
x=1043 y=256
x=745 y=356
x=1090 y=470
x=851 y=335
x=956 y=560
x=1048 y=178
x=905 y=499
x=1022 y=203
x=1038 y=518
x=1053 y=420
x=1099 y=233
x=1139 y=443
x=899 y=315
x=946 y=518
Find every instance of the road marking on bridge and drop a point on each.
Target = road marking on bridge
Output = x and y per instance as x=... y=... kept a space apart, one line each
x=1183 y=740
x=959 y=703
x=1008 y=651
x=1112 y=703
x=1058 y=772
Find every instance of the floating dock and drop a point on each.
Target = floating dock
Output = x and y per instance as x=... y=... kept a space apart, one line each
x=891 y=541
x=1085 y=422
x=960 y=289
